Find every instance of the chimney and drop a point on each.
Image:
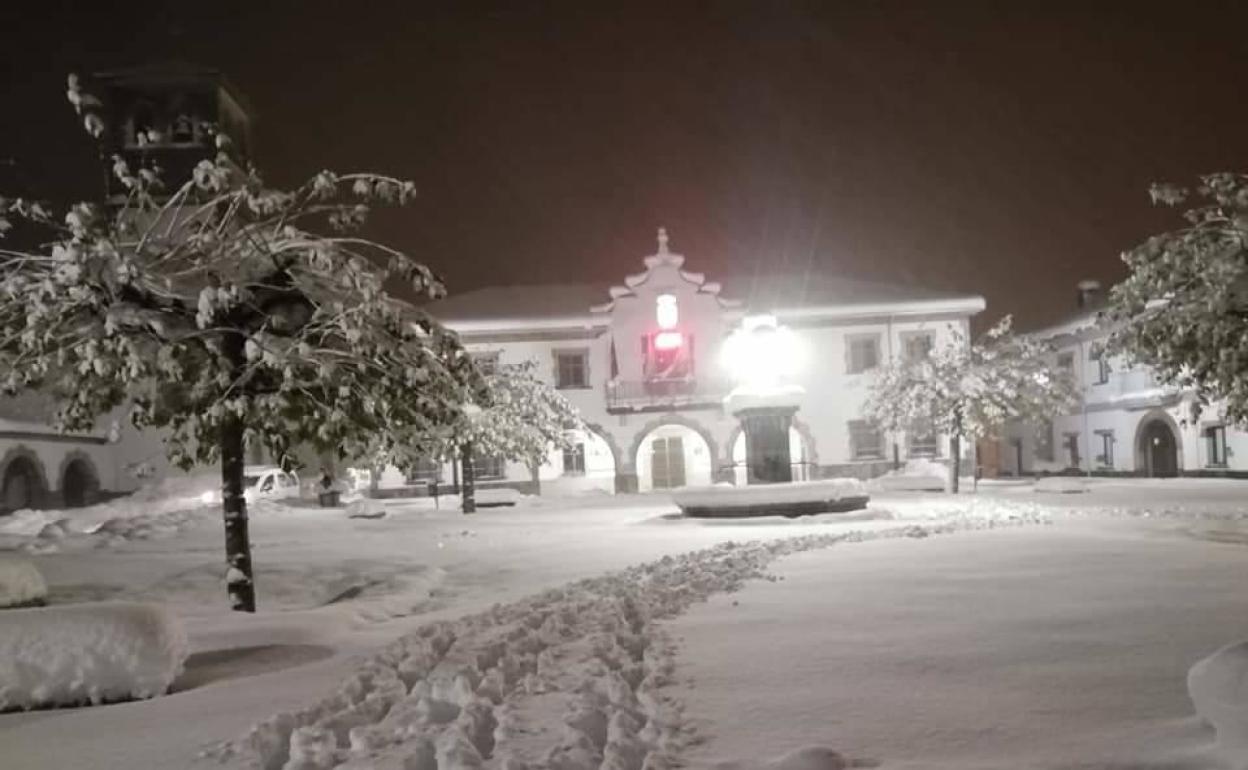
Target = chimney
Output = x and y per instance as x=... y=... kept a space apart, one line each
x=1089 y=293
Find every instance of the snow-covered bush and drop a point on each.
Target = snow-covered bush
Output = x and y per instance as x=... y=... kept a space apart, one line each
x=20 y=583
x=88 y=653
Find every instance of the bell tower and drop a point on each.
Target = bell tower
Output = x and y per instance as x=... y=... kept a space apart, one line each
x=164 y=115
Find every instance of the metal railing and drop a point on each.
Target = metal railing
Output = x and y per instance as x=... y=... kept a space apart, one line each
x=641 y=394
x=1135 y=382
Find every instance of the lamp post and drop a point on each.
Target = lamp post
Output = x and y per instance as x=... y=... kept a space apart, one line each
x=763 y=356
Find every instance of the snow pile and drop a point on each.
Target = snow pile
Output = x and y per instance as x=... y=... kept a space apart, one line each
x=570 y=679
x=365 y=508
x=764 y=499
x=1062 y=484
x=21 y=584
x=50 y=531
x=88 y=653
x=969 y=510
x=1218 y=687
x=919 y=475
x=807 y=758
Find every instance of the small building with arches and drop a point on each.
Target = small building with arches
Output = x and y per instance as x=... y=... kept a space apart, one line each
x=1127 y=423
x=41 y=468
x=643 y=362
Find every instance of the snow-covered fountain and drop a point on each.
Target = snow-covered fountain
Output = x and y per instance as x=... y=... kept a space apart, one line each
x=763 y=357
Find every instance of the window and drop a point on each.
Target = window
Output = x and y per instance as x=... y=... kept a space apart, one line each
x=1066 y=363
x=574 y=459
x=488 y=466
x=917 y=346
x=865 y=441
x=1044 y=441
x=486 y=362
x=425 y=471
x=571 y=369
x=1215 y=446
x=1102 y=368
x=862 y=352
x=921 y=440
x=1071 y=442
x=1106 y=457
x=667 y=355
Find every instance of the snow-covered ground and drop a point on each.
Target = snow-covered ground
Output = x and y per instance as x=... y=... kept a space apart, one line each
x=343 y=600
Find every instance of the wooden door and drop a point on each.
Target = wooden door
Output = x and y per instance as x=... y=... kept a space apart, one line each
x=667 y=462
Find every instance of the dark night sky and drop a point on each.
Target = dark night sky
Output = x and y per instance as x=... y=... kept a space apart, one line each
x=999 y=148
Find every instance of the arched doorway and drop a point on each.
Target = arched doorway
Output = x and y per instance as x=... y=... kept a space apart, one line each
x=22 y=486
x=1157 y=449
x=78 y=484
x=672 y=456
x=797 y=454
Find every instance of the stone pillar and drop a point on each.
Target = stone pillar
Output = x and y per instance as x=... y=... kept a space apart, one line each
x=766 y=430
x=626 y=483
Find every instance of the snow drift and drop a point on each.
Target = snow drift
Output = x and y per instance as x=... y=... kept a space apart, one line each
x=88 y=653
x=1218 y=687
x=921 y=475
x=20 y=583
x=1062 y=484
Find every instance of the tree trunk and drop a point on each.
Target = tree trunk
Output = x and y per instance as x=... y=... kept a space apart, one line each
x=467 y=489
x=535 y=470
x=239 y=579
x=955 y=461
x=955 y=452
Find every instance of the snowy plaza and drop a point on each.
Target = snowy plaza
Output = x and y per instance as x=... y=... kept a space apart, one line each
x=591 y=386
x=1007 y=628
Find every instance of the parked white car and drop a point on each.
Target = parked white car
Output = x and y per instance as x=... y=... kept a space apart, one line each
x=269 y=482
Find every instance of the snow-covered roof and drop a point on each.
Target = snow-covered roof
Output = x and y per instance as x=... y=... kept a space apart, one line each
x=549 y=306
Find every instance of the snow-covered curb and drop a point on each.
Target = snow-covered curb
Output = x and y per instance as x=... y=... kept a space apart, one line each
x=21 y=585
x=88 y=653
x=1062 y=485
x=486 y=685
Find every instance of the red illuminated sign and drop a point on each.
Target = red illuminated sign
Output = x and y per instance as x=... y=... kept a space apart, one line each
x=668 y=340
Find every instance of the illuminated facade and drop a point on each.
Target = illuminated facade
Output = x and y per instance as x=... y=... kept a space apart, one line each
x=1127 y=422
x=644 y=362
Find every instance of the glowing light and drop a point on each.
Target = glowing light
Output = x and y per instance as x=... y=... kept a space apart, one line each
x=668 y=340
x=761 y=354
x=665 y=311
x=207 y=498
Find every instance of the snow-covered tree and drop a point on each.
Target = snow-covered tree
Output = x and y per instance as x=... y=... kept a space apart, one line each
x=229 y=314
x=1183 y=310
x=968 y=390
x=520 y=418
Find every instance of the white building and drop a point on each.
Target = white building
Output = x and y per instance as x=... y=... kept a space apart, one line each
x=1127 y=422
x=642 y=363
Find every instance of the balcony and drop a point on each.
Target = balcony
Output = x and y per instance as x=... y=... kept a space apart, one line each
x=1132 y=388
x=664 y=395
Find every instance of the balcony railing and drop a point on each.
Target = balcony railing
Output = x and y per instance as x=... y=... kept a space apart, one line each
x=1132 y=384
x=640 y=395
